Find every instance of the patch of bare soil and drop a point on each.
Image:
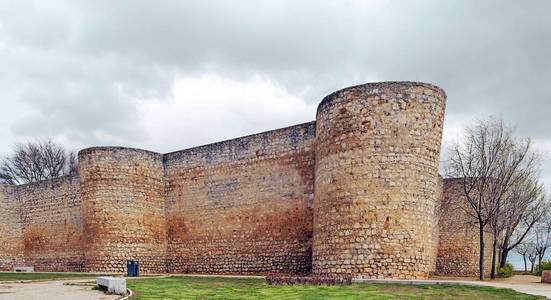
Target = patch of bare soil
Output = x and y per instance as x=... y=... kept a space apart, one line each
x=54 y=289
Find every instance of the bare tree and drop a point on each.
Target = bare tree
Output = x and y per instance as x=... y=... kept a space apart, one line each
x=487 y=162
x=532 y=256
x=542 y=241
x=523 y=200
x=35 y=161
x=523 y=249
x=523 y=207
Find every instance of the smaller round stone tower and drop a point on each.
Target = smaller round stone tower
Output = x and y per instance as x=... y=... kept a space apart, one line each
x=376 y=178
x=123 y=209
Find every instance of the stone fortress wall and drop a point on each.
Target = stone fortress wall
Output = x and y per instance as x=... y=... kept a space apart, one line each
x=355 y=192
x=11 y=228
x=52 y=222
x=244 y=205
x=459 y=242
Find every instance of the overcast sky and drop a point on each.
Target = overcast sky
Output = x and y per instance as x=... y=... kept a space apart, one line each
x=168 y=75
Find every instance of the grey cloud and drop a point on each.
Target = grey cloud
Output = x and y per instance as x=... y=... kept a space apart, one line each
x=490 y=56
x=75 y=68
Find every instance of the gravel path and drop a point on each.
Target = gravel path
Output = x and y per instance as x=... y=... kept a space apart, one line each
x=522 y=283
x=53 y=289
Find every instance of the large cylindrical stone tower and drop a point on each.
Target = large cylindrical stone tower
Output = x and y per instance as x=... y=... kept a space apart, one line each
x=377 y=154
x=123 y=209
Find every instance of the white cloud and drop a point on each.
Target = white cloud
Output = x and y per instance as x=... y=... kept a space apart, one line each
x=453 y=128
x=211 y=108
x=544 y=148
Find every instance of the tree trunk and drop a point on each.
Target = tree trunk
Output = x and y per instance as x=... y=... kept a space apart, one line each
x=481 y=264
x=499 y=252
x=524 y=258
x=504 y=254
x=494 y=245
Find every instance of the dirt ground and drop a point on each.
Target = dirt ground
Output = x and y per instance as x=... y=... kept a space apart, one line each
x=52 y=289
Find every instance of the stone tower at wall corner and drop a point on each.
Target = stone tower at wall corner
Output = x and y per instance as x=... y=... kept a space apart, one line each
x=353 y=192
x=122 y=191
x=376 y=176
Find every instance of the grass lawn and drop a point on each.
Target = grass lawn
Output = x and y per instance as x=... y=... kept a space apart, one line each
x=35 y=276
x=228 y=288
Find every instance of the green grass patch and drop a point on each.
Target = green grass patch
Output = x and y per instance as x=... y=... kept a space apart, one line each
x=178 y=287
x=38 y=276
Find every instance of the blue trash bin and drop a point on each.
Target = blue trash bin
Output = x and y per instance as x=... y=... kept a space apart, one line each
x=133 y=268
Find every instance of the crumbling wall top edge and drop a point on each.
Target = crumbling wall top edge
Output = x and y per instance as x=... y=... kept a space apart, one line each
x=115 y=148
x=225 y=142
x=327 y=100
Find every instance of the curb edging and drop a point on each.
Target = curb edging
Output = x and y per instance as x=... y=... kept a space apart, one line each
x=130 y=294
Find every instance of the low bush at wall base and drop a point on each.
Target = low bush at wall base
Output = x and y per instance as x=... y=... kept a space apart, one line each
x=545 y=265
x=326 y=280
x=505 y=272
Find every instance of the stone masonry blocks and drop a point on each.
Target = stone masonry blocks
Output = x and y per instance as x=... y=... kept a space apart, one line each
x=11 y=229
x=123 y=208
x=377 y=154
x=243 y=205
x=354 y=192
x=458 y=243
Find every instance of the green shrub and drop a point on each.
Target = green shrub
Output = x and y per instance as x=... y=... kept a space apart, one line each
x=506 y=271
x=545 y=265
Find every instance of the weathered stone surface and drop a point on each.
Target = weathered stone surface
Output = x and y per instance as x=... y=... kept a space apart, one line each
x=354 y=192
x=42 y=225
x=459 y=242
x=11 y=229
x=51 y=212
x=243 y=205
x=377 y=154
x=124 y=209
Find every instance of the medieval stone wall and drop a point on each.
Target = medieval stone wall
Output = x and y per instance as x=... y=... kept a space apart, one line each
x=459 y=243
x=435 y=229
x=355 y=192
x=244 y=205
x=11 y=229
x=52 y=218
x=377 y=155
x=123 y=209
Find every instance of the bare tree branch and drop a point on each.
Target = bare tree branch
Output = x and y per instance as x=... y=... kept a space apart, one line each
x=489 y=161
x=35 y=161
